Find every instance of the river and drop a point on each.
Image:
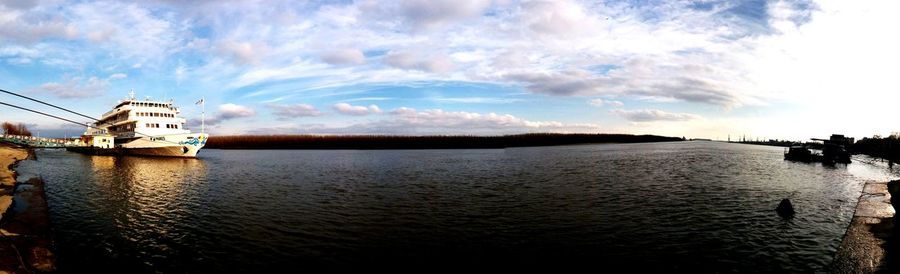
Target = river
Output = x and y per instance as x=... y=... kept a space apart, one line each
x=680 y=206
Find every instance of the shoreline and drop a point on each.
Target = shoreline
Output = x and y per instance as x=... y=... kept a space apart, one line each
x=372 y=142
x=25 y=236
x=867 y=244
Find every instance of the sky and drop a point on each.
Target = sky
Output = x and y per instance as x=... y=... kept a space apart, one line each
x=699 y=69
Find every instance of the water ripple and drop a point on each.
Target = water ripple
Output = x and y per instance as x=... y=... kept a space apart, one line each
x=691 y=206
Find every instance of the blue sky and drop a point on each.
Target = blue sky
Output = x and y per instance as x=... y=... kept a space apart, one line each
x=704 y=69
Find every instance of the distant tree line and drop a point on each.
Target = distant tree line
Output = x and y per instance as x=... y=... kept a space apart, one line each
x=15 y=129
x=420 y=142
x=882 y=147
x=770 y=142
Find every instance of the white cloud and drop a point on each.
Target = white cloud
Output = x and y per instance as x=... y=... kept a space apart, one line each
x=226 y=112
x=423 y=15
x=406 y=60
x=18 y=26
x=435 y=121
x=294 y=111
x=343 y=57
x=229 y=111
x=653 y=115
x=19 y=4
x=130 y=31
x=243 y=53
x=19 y=54
x=80 y=87
x=76 y=87
x=600 y=103
x=479 y=100
x=348 y=109
x=556 y=17
x=663 y=53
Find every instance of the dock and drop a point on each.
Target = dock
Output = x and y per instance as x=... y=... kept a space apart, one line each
x=866 y=244
x=37 y=142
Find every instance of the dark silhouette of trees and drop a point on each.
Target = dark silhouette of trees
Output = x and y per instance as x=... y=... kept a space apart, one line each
x=882 y=147
x=16 y=129
x=420 y=142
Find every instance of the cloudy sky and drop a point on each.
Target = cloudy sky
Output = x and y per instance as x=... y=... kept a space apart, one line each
x=704 y=69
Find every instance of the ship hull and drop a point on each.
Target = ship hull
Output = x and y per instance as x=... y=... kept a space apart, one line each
x=178 y=145
x=151 y=151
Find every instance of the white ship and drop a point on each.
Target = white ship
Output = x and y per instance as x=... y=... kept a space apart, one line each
x=141 y=127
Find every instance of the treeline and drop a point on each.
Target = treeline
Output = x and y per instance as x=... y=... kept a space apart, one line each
x=15 y=129
x=420 y=142
x=772 y=142
x=886 y=148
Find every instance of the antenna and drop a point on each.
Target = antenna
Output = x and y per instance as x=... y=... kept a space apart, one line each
x=131 y=94
x=202 y=115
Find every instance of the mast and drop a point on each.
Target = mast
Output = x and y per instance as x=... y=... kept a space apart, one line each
x=202 y=103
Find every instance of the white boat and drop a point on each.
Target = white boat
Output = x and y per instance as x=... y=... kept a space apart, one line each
x=141 y=127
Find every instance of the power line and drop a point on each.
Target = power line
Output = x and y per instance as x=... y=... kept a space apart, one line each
x=49 y=104
x=67 y=120
x=46 y=114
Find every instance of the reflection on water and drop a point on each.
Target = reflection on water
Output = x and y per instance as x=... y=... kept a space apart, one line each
x=692 y=206
x=128 y=208
x=152 y=194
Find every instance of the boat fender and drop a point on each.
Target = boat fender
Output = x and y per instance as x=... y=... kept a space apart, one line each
x=185 y=149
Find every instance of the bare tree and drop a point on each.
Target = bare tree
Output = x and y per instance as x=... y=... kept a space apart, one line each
x=15 y=129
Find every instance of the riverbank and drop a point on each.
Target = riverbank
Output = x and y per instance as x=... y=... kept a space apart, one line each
x=25 y=238
x=868 y=245
x=421 y=142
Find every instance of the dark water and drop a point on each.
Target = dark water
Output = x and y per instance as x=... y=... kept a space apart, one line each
x=688 y=206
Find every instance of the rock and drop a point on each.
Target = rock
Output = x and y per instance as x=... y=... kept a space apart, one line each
x=894 y=189
x=5 y=203
x=785 y=209
x=42 y=259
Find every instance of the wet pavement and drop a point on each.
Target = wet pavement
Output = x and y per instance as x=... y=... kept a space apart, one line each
x=866 y=245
